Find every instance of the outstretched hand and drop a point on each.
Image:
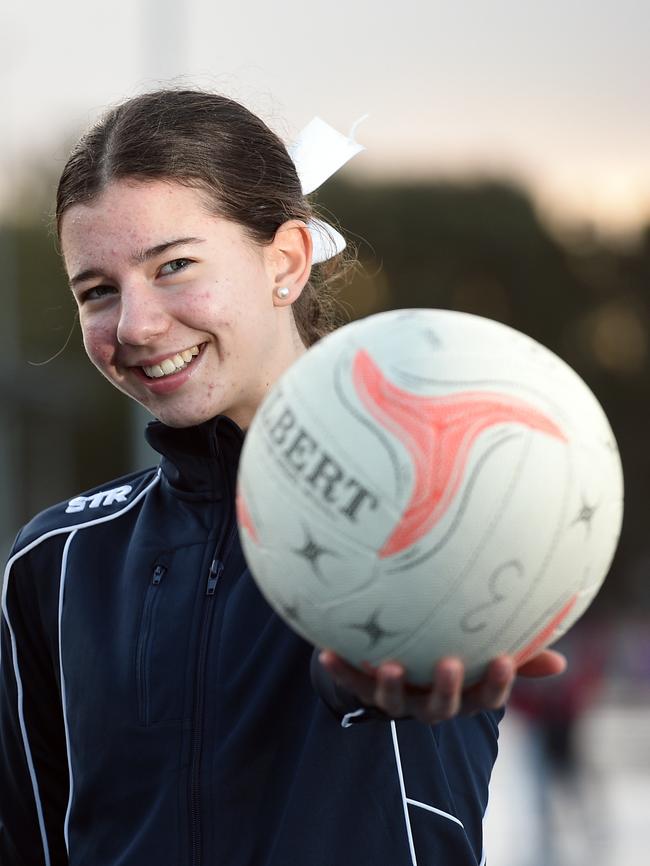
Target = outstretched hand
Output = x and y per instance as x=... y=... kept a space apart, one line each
x=386 y=687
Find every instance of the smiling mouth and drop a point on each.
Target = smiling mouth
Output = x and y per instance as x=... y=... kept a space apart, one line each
x=172 y=364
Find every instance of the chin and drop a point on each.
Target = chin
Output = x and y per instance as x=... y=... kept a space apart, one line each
x=179 y=417
x=180 y=421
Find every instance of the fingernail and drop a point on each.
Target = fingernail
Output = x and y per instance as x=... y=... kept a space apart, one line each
x=392 y=670
x=504 y=669
x=449 y=675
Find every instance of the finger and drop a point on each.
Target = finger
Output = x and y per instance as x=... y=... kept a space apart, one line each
x=444 y=700
x=348 y=677
x=547 y=664
x=389 y=691
x=494 y=690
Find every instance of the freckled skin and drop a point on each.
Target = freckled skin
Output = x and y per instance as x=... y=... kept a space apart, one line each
x=221 y=298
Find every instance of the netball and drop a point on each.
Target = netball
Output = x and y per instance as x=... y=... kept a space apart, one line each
x=424 y=483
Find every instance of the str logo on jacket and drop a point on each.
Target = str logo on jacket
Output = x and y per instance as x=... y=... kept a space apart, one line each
x=104 y=497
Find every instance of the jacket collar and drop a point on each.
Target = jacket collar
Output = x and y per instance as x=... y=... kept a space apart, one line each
x=199 y=461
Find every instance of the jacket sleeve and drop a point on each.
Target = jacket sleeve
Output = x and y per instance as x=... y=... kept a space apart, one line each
x=33 y=759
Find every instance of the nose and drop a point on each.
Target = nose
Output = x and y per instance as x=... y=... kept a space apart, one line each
x=142 y=316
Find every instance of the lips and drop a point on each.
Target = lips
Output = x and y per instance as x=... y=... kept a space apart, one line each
x=159 y=383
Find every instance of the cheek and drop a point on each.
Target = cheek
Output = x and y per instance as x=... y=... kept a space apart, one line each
x=98 y=343
x=200 y=310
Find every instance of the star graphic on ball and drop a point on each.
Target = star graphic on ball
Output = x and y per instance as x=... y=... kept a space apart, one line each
x=586 y=515
x=312 y=551
x=290 y=612
x=373 y=630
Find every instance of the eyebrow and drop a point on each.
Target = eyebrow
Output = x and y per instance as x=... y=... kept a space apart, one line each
x=138 y=258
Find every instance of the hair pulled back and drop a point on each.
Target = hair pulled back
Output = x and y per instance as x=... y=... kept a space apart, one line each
x=211 y=143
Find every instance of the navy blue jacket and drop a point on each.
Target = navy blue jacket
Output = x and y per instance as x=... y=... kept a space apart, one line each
x=154 y=709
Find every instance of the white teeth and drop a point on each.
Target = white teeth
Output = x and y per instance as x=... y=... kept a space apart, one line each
x=168 y=366
x=173 y=364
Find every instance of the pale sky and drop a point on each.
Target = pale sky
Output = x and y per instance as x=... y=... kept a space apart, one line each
x=554 y=94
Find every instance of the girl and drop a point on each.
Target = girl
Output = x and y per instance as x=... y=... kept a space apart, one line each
x=154 y=709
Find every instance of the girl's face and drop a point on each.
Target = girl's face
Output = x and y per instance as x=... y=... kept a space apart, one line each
x=178 y=307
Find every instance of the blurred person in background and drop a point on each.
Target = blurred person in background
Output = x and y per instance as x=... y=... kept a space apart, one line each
x=569 y=796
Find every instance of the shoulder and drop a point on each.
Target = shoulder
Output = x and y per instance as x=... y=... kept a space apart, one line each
x=98 y=504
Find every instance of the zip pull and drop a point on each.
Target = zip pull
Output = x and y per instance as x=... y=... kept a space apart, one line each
x=158 y=573
x=213 y=577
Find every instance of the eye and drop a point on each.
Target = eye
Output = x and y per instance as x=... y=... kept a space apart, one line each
x=174 y=267
x=95 y=293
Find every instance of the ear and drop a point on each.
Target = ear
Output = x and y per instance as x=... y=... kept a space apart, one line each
x=289 y=256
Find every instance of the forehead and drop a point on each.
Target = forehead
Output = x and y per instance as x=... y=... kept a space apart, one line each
x=130 y=215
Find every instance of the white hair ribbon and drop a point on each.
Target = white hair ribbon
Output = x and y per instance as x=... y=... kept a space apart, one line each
x=319 y=152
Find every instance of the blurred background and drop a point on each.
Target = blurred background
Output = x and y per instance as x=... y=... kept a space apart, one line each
x=507 y=173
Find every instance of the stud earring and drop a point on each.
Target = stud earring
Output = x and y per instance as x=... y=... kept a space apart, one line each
x=282 y=292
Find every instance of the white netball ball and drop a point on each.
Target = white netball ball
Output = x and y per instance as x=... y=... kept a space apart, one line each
x=424 y=483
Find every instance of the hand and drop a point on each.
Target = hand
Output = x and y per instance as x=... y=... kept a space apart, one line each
x=386 y=687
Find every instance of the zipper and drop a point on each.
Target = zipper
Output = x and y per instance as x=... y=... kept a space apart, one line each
x=216 y=570
x=214 y=574
x=217 y=565
x=197 y=730
x=142 y=652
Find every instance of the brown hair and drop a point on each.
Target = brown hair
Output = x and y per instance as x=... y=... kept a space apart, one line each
x=216 y=145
